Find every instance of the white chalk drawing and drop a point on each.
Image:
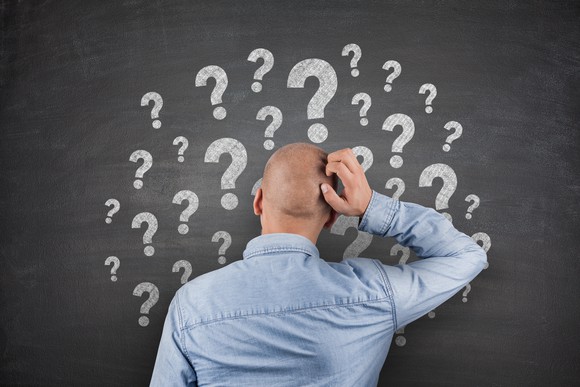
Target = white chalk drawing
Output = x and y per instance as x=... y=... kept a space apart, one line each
x=256 y=185
x=405 y=253
x=467 y=290
x=239 y=160
x=276 y=115
x=367 y=103
x=221 y=83
x=366 y=154
x=147 y=163
x=116 y=263
x=471 y=198
x=193 y=204
x=396 y=182
x=146 y=287
x=357 y=53
x=428 y=87
x=116 y=207
x=268 y=58
x=400 y=340
x=187 y=269
x=227 y=238
x=362 y=241
x=151 y=220
x=391 y=64
x=184 y=144
x=407 y=134
x=485 y=243
x=328 y=84
x=447 y=174
x=453 y=136
x=157 y=105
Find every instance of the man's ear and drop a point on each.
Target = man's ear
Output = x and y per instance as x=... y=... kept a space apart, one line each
x=258 y=202
x=331 y=219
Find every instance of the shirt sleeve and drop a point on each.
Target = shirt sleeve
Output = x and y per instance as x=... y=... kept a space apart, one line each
x=172 y=366
x=449 y=258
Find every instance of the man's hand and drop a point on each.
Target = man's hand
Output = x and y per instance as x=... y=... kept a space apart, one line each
x=356 y=195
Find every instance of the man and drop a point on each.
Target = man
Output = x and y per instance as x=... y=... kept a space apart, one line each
x=282 y=316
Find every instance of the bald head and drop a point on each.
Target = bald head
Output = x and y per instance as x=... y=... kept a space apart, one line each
x=292 y=179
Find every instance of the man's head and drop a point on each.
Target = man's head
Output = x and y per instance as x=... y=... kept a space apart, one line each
x=290 y=199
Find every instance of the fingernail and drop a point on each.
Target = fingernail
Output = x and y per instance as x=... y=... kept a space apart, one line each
x=324 y=188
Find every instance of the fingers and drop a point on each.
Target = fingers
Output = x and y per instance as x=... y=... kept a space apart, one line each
x=347 y=157
x=333 y=199
x=341 y=170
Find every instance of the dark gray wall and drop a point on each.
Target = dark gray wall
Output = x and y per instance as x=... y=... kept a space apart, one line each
x=71 y=82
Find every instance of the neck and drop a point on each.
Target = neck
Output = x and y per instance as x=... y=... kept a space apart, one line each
x=292 y=227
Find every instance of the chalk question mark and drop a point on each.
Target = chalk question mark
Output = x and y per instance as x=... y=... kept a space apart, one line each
x=239 y=160
x=268 y=58
x=408 y=131
x=485 y=243
x=181 y=140
x=397 y=182
x=366 y=154
x=362 y=241
x=467 y=290
x=116 y=206
x=357 y=53
x=391 y=64
x=366 y=99
x=447 y=174
x=221 y=83
x=151 y=300
x=405 y=253
x=471 y=198
x=454 y=136
x=193 y=204
x=326 y=76
x=116 y=263
x=187 y=270
x=257 y=185
x=276 y=115
x=151 y=220
x=147 y=163
x=157 y=105
x=226 y=237
x=432 y=94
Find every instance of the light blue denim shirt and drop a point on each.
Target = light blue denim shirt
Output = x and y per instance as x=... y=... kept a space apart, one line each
x=283 y=316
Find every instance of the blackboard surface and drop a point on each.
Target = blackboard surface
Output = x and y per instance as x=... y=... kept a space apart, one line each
x=72 y=77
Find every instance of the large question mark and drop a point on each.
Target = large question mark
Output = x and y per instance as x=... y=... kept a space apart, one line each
x=408 y=131
x=447 y=174
x=187 y=270
x=276 y=115
x=116 y=263
x=157 y=105
x=116 y=206
x=357 y=53
x=147 y=163
x=227 y=238
x=268 y=58
x=486 y=242
x=152 y=224
x=397 y=182
x=366 y=99
x=193 y=201
x=454 y=136
x=432 y=94
x=362 y=241
x=326 y=75
x=391 y=64
x=181 y=140
x=366 y=154
x=221 y=83
x=475 y=199
x=239 y=160
x=147 y=305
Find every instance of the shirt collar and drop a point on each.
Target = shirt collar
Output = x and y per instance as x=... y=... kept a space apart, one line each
x=275 y=242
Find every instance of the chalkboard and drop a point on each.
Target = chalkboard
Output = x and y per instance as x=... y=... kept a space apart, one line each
x=95 y=238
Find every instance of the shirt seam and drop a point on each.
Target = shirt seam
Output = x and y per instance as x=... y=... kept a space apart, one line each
x=389 y=217
x=388 y=289
x=276 y=249
x=181 y=329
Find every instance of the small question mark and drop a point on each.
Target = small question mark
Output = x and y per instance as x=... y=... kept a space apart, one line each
x=276 y=115
x=391 y=64
x=157 y=105
x=467 y=290
x=362 y=241
x=399 y=183
x=432 y=94
x=365 y=108
x=239 y=161
x=357 y=53
x=454 y=136
x=406 y=253
x=187 y=270
x=116 y=206
x=151 y=301
x=181 y=140
x=147 y=163
x=221 y=83
x=326 y=76
x=190 y=210
x=400 y=340
x=408 y=131
x=116 y=263
x=227 y=243
x=472 y=207
x=447 y=174
x=257 y=185
x=268 y=58
x=485 y=240
x=151 y=221
x=366 y=154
